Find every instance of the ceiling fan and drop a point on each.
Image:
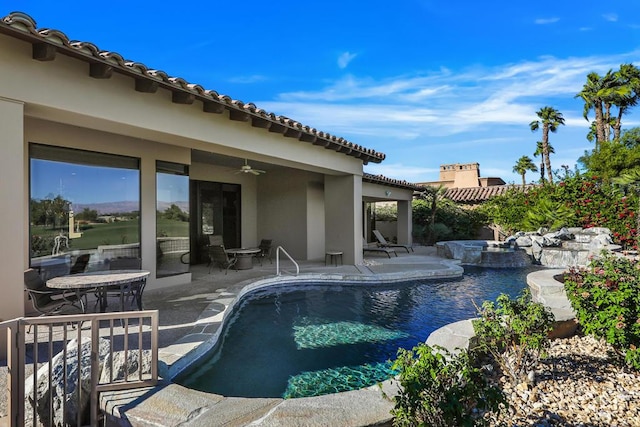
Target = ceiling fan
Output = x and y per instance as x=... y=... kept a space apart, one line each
x=246 y=168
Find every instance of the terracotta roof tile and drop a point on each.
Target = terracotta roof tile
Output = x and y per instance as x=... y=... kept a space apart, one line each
x=481 y=194
x=381 y=179
x=22 y=26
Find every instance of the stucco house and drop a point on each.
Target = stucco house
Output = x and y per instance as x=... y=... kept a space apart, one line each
x=93 y=133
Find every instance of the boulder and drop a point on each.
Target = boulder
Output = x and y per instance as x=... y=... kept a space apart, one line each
x=523 y=241
x=121 y=368
x=562 y=234
x=74 y=399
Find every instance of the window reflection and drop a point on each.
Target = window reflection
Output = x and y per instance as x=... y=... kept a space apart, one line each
x=82 y=205
x=172 y=226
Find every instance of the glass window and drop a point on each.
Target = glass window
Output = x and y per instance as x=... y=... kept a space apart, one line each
x=172 y=225
x=82 y=203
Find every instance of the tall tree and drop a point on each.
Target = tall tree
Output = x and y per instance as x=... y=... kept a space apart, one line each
x=523 y=165
x=619 y=89
x=549 y=119
x=537 y=153
x=595 y=94
x=628 y=94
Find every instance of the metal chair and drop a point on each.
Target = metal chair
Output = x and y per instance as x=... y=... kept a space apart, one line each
x=265 y=251
x=48 y=301
x=219 y=257
x=131 y=290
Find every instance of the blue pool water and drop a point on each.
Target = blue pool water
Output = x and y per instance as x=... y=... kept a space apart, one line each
x=317 y=339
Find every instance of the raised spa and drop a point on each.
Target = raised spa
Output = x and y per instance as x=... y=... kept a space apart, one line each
x=310 y=340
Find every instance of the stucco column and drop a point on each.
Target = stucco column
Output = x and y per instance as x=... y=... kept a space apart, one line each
x=405 y=218
x=14 y=229
x=343 y=216
x=148 y=215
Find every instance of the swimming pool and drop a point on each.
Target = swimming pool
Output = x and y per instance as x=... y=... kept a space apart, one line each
x=317 y=339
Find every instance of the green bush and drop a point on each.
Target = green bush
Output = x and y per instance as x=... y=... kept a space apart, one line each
x=438 y=388
x=606 y=298
x=514 y=332
x=450 y=221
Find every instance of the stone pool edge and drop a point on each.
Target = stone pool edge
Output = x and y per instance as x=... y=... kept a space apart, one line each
x=172 y=404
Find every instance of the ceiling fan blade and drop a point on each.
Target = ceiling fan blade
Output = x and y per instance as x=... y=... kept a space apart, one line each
x=254 y=171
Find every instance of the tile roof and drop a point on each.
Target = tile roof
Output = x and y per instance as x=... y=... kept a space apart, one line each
x=481 y=194
x=47 y=42
x=380 y=179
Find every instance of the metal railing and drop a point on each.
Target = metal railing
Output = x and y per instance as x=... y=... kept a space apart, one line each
x=281 y=249
x=35 y=343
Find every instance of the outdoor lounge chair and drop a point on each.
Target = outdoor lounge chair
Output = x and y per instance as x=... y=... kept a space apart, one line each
x=218 y=256
x=265 y=250
x=48 y=300
x=366 y=248
x=382 y=242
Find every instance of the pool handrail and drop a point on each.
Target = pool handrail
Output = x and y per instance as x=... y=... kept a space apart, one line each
x=278 y=249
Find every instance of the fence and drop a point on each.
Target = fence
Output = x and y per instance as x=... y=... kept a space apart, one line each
x=72 y=359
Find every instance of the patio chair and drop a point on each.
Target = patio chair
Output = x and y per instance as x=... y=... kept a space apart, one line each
x=382 y=242
x=367 y=248
x=48 y=301
x=219 y=257
x=81 y=264
x=265 y=250
x=133 y=290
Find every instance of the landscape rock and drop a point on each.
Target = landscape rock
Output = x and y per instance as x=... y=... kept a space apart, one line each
x=121 y=368
x=77 y=365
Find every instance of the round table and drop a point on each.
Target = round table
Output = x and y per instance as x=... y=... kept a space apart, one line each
x=244 y=257
x=98 y=280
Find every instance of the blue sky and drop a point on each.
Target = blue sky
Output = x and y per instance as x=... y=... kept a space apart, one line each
x=425 y=82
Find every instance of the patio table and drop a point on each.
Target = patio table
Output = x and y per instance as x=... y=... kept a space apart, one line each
x=244 y=257
x=100 y=281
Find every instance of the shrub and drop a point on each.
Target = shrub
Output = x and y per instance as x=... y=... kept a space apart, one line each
x=441 y=389
x=606 y=298
x=514 y=332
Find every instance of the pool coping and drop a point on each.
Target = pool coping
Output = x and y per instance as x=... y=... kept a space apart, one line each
x=172 y=404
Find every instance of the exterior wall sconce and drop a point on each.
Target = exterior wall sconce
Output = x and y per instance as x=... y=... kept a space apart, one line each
x=387 y=193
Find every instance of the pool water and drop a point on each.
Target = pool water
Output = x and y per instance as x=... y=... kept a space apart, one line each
x=317 y=339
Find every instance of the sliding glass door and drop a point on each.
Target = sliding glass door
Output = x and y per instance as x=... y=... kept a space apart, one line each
x=216 y=211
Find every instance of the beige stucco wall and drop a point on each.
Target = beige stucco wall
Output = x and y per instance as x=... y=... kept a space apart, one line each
x=282 y=206
x=343 y=216
x=13 y=186
x=315 y=219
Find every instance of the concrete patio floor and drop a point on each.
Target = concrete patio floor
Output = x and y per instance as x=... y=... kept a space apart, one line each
x=191 y=316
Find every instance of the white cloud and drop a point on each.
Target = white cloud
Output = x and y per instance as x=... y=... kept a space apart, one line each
x=611 y=17
x=345 y=58
x=477 y=114
x=545 y=21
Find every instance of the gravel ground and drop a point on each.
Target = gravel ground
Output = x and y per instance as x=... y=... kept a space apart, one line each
x=580 y=384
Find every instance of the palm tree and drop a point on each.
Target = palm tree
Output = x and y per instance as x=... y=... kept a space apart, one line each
x=628 y=77
x=595 y=93
x=537 y=153
x=550 y=119
x=600 y=93
x=523 y=165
